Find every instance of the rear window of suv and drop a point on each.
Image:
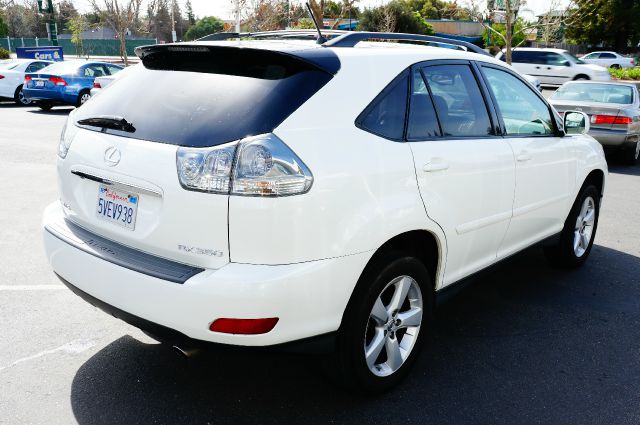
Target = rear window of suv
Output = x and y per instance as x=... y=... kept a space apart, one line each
x=204 y=98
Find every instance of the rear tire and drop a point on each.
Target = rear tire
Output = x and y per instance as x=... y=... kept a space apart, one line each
x=83 y=97
x=576 y=238
x=19 y=98
x=632 y=155
x=615 y=66
x=45 y=106
x=389 y=316
x=580 y=77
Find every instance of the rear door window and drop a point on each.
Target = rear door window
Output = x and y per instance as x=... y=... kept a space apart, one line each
x=385 y=116
x=458 y=100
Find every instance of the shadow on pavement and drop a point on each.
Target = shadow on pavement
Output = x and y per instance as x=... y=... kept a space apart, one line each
x=525 y=343
x=630 y=170
x=64 y=111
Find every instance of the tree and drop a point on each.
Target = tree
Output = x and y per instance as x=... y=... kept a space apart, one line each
x=77 y=25
x=612 y=23
x=395 y=16
x=205 y=26
x=318 y=7
x=66 y=11
x=4 y=28
x=190 y=16
x=120 y=16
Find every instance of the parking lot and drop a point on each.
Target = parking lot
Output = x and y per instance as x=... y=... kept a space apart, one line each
x=525 y=343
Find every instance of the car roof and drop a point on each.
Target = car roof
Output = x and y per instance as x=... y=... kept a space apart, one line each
x=536 y=49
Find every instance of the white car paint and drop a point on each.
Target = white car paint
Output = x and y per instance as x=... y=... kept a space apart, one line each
x=555 y=67
x=299 y=257
x=608 y=59
x=13 y=72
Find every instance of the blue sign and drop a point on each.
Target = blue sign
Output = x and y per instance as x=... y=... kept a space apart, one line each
x=47 y=53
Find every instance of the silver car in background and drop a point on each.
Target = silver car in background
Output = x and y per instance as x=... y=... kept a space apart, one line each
x=614 y=111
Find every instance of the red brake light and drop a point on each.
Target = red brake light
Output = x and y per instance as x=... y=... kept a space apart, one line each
x=58 y=81
x=243 y=326
x=610 y=119
x=1 y=77
x=96 y=85
x=27 y=78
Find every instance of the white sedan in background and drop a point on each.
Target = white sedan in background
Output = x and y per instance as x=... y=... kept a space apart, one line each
x=12 y=76
x=100 y=83
x=609 y=60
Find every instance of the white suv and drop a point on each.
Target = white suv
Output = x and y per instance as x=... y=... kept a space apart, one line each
x=553 y=67
x=281 y=192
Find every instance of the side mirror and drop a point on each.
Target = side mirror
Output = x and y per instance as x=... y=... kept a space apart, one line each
x=576 y=122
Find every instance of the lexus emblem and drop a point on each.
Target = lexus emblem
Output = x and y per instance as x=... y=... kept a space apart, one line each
x=112 y=156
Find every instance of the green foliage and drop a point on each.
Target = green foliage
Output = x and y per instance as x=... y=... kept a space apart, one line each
x=625 y=73
x=4 y=28
x=608 y=23
x=517 y=39
x=205 y=26
x=4 y=53
x=395 y=16
x=76 y=25
x=304 y=24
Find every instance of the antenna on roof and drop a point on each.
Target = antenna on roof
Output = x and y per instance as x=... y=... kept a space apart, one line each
x=320 y=38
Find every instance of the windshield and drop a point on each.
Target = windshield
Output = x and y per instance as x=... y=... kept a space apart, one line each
x=9 y=65
x=573 y=58
x=597 y=93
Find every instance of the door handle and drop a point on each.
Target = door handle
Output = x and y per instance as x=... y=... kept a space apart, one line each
x=435 y=166
x=524 y=157
x=548 y=67
x=537 y=67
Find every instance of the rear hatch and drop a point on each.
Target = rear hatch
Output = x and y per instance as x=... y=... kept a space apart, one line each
x=183 y=96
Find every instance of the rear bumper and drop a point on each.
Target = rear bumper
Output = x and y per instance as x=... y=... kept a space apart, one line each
x=614 y=138
x=54 y=96
x=308 y=298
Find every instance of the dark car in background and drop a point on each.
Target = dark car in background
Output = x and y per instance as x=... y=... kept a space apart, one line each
x=614 y=111
x=65 y=83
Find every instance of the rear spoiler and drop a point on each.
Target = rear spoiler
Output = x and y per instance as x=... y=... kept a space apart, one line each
x=236 y=60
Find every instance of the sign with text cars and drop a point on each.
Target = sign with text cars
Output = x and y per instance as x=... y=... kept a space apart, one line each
x=50 y=53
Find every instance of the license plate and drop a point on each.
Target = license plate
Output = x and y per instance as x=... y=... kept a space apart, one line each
x=117 y=207
x=39 y=83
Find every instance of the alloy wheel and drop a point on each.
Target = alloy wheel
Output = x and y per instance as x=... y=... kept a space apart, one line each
x=23 y=100
x=393 y=326
x=84 y=98
x=584 y=227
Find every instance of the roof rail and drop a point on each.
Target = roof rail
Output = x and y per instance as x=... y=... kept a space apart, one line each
x=351 y=38
x=284 y=34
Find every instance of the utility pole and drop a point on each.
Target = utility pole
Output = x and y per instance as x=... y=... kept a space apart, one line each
x=52 y=27
x=174 y=37
x=237 y=4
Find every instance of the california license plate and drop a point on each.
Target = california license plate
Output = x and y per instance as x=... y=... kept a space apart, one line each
x=39 y=83
x=117 y=207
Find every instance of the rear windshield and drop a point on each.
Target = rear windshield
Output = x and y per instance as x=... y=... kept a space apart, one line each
x=60 y=68
x=202 y=100
x=598 y=93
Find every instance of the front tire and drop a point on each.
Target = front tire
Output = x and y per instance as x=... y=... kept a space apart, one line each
x=19 y=98
x=632 y=155
x=385 y=324
x=45 y=106
x=576 y=238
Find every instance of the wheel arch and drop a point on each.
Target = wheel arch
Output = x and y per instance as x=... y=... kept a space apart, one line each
x=581 y=76
x=595 y=177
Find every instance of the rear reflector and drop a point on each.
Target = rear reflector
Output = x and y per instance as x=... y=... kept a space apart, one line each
x=243 y=326
x=610 y=119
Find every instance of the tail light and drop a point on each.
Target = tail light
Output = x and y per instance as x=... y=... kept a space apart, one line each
x=96 y=85
x=1 y=77
x=58 y=81
x=610 y=119
x=256 y=166
x=27 y=78
x=66 y=137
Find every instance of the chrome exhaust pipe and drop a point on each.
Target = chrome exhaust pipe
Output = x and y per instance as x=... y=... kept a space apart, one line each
x=186 y=352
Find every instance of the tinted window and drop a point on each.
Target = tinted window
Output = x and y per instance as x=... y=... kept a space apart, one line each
x=458 y=101
x=36 y=66
x=555 y=59
x=422 y=116
x=592 y=56
x=204 y=108
x=598 y=93
x=607 y=56
x=526 y=56
x=523 y=112
x=385 y=116
x=94 y=70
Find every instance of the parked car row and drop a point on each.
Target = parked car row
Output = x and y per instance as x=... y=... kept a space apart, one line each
x=12 y=73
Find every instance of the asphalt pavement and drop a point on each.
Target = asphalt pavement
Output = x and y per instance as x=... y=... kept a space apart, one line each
x=524 y=344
